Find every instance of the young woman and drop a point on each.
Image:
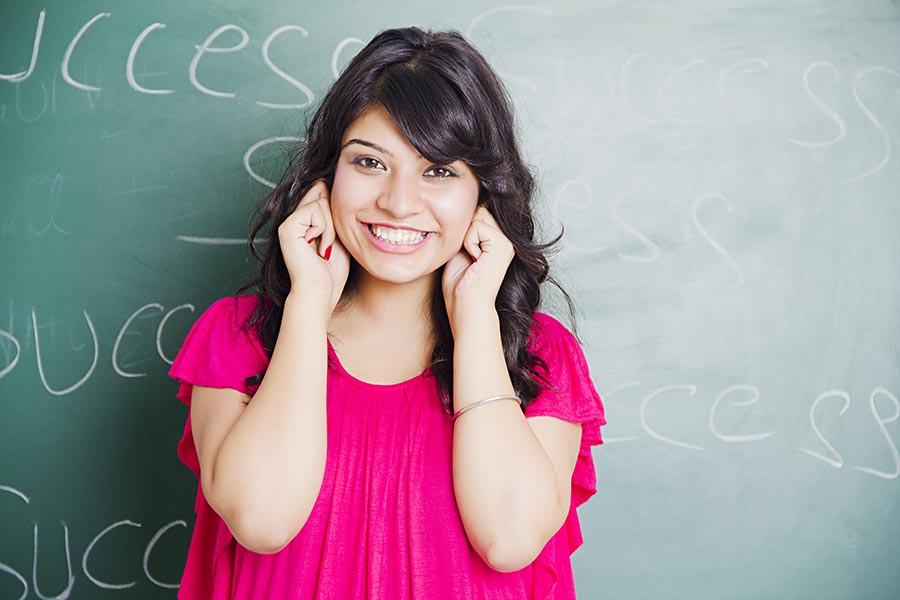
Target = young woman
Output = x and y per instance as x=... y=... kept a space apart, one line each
x=388 y=416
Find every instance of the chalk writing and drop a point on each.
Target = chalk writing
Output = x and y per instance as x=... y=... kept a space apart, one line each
x=882 y=132
x=205 y=47
x=832 y=114
x=23 y=75
x=297 y=84
x=832 y=457
x=754 y=397
x=690 y=389
x=40 y=362
x=129 y=66
x=249 y=153
x=695 y=218
x=71 y=47
x=335 y=56
x=119 y=337
x=95 y=345
x=70 y=578
x=881 y=422
x=102 y=536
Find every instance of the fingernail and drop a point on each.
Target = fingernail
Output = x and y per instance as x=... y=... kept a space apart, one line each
x=310 y=241
x=328 y=252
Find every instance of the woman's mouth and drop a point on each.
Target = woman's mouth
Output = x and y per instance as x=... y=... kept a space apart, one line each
x=397 y=236
x=395 y=241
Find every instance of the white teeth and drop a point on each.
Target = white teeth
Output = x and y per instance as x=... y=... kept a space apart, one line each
x=397 y=236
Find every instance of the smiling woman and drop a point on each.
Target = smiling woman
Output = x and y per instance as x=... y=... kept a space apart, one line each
x=397 y=292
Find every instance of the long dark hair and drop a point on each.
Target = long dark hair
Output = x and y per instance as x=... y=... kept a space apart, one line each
x=451 y=106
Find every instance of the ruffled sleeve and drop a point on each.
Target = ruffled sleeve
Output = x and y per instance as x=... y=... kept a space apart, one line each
x=570 y=396
x=220 y=352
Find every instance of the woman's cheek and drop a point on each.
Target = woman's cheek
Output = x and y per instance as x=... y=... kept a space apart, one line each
x=454 y=228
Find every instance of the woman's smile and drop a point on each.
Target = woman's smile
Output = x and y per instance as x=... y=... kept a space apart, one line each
x=398 y=214
x=395 y=241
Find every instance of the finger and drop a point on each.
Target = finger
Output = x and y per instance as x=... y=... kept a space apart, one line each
x=488 y=217
x=487 y=237
x=317 y=222
x=456 y=265
x=483 y=214
x=317 y=201
x=328 y=234
x=317 y=190
x=302 y=223
x=473 y=239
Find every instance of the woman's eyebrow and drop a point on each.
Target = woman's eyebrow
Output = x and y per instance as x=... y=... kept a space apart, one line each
x=368 y=144
x=373 y=145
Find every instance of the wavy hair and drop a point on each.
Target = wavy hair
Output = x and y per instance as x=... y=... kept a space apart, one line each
x=451 y=106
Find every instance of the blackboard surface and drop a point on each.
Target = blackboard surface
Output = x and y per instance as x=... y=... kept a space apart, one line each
x=728 y=178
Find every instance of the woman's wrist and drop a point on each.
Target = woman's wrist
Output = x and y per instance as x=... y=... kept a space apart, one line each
x=310 y=311
x=473 y=319
x=475 y=327
x=479 y=365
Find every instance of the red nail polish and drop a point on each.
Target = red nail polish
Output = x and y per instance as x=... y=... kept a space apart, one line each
x=310 y=241
x=328 y=252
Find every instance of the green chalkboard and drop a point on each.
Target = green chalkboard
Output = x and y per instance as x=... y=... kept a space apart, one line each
x=727 y=176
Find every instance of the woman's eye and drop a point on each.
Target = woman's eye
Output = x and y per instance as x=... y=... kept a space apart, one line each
x=441 y=172
x=367 y=162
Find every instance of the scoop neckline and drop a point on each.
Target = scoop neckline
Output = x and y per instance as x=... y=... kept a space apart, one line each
x=339 y=366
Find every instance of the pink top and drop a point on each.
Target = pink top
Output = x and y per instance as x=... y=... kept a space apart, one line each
x=385 y=523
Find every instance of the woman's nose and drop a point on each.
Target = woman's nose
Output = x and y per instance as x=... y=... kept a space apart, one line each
x=401 y=197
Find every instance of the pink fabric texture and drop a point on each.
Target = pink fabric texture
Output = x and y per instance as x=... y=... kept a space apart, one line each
x=385 y=523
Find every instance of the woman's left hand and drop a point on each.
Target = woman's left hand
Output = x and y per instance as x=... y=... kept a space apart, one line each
x=472 y=278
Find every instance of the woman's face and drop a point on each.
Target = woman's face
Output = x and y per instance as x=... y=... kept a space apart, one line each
x=399 y=215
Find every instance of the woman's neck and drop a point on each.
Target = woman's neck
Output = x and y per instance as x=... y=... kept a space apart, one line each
x=383 y=332
x=381 y=306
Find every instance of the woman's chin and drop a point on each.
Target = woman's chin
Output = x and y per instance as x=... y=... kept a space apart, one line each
x=395 y=275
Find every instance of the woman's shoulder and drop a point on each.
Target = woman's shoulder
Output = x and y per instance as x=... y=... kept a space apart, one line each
x=547 y=329
x=229 y=314
x=549 y=322
x=239 y=307
x=220 y=350
x=225 y=324
x=568 y=390
x=562 y=353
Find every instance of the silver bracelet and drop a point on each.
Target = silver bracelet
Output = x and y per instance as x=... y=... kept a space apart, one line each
x=485 y=401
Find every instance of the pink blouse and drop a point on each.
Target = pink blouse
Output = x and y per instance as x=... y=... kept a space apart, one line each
x=385 y=523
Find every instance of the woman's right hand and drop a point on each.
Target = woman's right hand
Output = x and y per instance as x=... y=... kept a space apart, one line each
x=305 y=238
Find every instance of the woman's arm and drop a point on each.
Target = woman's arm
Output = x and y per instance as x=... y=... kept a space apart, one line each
x=511 y=475
x=262 y=466
x=262 y=463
